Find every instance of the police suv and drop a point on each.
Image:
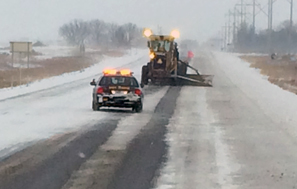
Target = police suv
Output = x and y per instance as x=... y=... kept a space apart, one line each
x=117 y=88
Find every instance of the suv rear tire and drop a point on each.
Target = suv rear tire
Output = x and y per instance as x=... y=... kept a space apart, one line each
x=95 y=107
x=144 y=73
x=138 y=108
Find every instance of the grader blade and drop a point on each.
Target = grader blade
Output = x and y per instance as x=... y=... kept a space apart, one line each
x=194 y=80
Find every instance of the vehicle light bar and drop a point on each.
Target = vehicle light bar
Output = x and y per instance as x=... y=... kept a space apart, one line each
x=116 y=72
x=109 y=72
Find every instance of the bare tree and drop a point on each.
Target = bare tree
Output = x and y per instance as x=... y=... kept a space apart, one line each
x=131 y=32
x=75 y=33
x=98 y=30
x=100 y=33
x=112 y=29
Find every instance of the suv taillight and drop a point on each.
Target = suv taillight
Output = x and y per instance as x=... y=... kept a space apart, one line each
x=100 y=90
x=138 y=92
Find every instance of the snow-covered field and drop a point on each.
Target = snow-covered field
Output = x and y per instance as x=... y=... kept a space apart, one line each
x=51 y=51
x=23 y=65
x=4 y=51
x=54 y=51
x=54 y=105
x=132 y=56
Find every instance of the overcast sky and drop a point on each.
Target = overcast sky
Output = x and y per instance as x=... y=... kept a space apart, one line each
x=199 y=19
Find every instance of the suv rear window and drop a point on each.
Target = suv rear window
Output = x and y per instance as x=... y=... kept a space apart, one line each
x=118 y=80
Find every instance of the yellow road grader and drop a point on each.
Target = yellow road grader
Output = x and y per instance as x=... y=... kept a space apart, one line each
x=165 y=67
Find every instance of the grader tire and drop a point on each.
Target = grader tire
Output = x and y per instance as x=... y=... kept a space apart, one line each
x=144 y=75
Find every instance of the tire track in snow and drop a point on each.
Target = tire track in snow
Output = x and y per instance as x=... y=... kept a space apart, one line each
x=198 y=156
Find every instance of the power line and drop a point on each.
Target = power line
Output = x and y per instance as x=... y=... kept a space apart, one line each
x=240 y=16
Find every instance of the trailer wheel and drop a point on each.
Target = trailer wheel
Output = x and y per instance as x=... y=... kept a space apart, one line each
x=144 y=75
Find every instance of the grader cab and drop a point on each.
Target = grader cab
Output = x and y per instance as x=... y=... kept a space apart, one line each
x=165 y=66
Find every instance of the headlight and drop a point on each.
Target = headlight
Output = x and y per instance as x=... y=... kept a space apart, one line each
x=147 y=32
x=175 y=33
x=152 y=55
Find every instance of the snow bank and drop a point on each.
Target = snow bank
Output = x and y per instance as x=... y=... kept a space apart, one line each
x=250 y=54
x=278 y=104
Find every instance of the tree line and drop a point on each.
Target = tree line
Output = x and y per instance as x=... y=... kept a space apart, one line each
x=283 y=39
x=102 y=34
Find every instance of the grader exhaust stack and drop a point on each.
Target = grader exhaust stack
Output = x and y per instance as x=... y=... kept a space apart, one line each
x=165 y=67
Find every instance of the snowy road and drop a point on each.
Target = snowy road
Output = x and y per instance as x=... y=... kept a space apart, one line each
x=241 y=133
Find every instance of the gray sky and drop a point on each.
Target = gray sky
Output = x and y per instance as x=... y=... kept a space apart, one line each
x=199 y=19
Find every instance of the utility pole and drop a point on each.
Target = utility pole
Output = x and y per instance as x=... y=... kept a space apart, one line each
x=159 y=30
x=291 y=14
x=240 y=16
x=229 y=27
x=254 y=16
x=270 y=14
x=291 y=26
x=230 y=14
x=224 y=36
x=234 y=26
x=241 y=13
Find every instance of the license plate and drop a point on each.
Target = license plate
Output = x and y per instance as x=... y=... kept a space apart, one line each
x=120 y=92
x=105 y=99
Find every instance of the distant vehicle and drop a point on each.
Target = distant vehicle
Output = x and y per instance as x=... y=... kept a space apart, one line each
x=117 y=89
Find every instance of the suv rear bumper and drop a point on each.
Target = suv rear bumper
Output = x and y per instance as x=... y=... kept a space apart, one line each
x=105 y=101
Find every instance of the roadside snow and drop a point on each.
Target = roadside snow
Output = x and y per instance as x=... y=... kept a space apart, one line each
x=250 y=54
x=93 y=71
x=277 y=103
